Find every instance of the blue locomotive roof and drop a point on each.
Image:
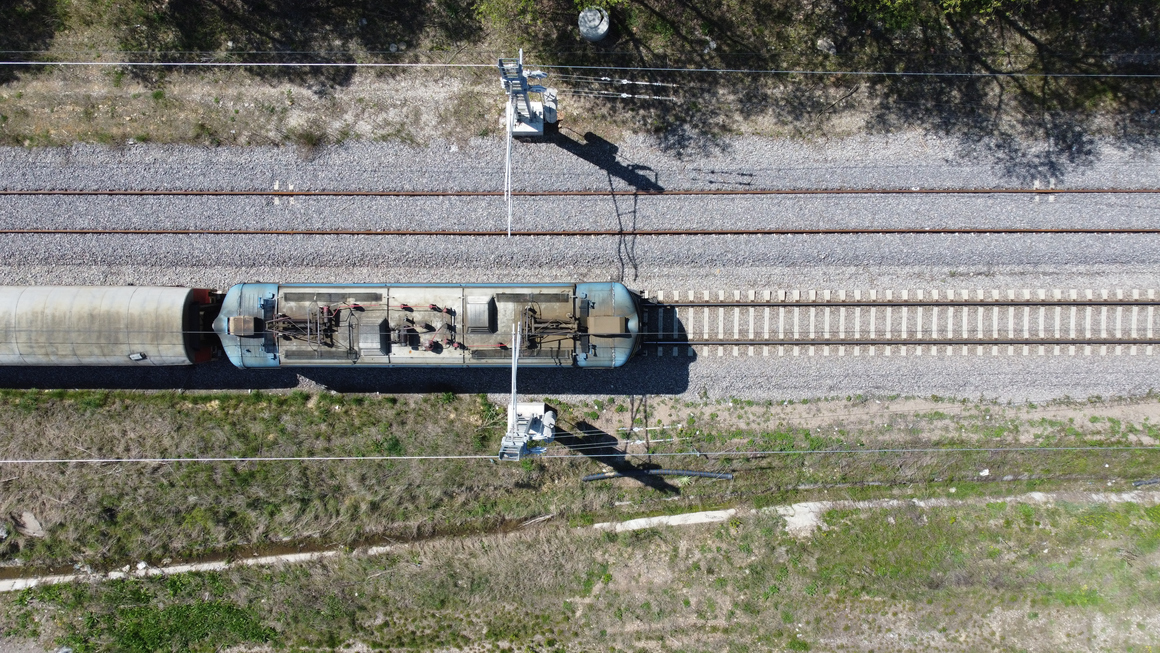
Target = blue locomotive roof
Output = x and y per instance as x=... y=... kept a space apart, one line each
x=314 y=324
x=611 y=300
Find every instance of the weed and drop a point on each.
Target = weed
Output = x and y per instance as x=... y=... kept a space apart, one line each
x=205 y=133
x=391 y=446
x=1084 y=598
x=308 y=139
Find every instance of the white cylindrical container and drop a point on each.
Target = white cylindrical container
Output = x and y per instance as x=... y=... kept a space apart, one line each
x=594 y=24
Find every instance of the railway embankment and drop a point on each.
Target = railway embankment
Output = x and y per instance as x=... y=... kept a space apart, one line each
x=926 y=490
x=172 y=476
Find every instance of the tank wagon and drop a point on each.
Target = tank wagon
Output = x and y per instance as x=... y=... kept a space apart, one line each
x=96 y=325
x=266 y=325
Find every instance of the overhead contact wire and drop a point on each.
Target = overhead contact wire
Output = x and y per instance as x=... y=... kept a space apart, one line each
x=856 y=73
x=238 y=64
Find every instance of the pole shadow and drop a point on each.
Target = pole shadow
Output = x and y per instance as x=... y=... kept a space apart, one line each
x=603 y=155
x=626 y=241
x=591 y=442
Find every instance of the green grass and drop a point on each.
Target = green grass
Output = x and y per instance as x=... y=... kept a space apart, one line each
x=135 y=617
x=746 y=583
x=186 y=510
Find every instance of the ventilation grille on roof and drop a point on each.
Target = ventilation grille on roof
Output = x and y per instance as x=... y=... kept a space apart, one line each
x=481 y=315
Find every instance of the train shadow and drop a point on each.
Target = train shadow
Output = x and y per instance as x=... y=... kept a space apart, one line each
x=645 y=375
x=587 y=440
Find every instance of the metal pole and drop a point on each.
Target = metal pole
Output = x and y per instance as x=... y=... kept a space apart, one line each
x=507 y=175
x=515 y=365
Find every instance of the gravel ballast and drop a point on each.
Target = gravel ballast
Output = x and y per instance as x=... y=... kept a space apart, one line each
x=927 y=261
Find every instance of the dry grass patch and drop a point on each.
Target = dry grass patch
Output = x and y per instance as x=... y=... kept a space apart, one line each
x=1006 y=120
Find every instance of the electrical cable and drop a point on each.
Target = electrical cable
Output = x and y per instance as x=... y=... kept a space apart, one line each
x=854 y=73
x=610 y=80
x=700 y=454
x=741 y=71
x=615 y=96
x=606 y=53
x=237 y=64
x=602 y=476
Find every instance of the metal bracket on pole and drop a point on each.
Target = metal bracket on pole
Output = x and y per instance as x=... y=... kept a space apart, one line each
x=531 y=426
x=530 y=112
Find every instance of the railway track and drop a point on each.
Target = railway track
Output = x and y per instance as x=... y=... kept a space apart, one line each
x=617 y=232
x=583 y=193
x=569 y=233
x=912 y=322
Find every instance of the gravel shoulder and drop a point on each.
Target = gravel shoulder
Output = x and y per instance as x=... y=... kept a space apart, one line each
x=576 y=160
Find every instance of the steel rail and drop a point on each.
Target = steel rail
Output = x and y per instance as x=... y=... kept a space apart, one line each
x=870 y=231
x=894 y=303
x=587 y=193
x=817 y=342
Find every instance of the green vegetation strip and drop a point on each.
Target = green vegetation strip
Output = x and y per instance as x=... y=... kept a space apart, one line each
x=982 y=577
x=109 y=515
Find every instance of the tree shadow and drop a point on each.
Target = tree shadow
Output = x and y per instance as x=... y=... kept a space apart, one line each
x=1032 y=127
x=292 y=31
x=1027 y=127
x=26 y=26
x=604 y=448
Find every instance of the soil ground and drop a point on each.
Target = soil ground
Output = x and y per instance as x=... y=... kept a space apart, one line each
x=955 y=55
